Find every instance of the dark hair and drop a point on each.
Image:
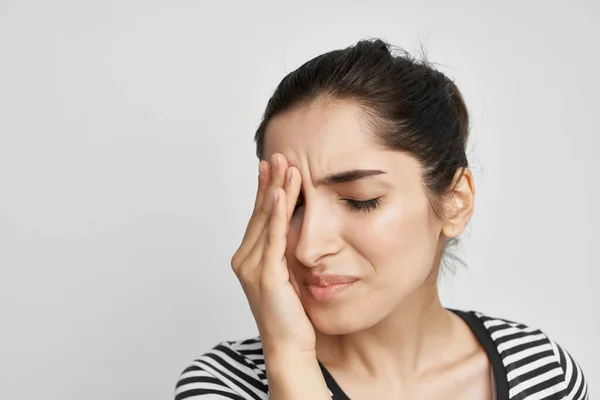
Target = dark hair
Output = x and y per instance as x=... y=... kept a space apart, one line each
x=408 y=106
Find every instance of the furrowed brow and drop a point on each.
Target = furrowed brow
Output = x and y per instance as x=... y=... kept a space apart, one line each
x=349 y=176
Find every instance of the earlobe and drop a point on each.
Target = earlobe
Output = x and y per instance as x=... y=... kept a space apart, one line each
x=460 y=205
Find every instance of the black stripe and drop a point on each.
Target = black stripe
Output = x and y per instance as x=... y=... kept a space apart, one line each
x=198 y=379
x=517 y=335
x=253 y=340
x=533 y=373
x=560 y=395
x=192 y=368
x=561 y=356
x=574 y=375
x=526 y=346
x=503 y=326
x=336 y=390
x=585 y=391
x=254 y=352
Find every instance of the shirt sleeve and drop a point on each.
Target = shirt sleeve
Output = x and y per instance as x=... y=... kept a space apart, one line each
x=576 y=384
x=222 y=373
x=197 y=383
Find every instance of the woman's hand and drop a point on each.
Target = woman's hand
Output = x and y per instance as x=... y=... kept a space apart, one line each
x=261 y=266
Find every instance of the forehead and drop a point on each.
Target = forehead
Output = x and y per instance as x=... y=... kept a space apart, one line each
x=320 y=133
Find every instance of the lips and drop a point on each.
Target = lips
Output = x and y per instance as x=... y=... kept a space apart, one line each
x=324 y=288
x=329 y=280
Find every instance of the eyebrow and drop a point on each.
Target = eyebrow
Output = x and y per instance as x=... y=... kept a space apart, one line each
x=349 y=176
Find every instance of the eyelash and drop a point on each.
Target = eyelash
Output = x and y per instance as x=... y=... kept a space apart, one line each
x=358 y=205
x=365 y=206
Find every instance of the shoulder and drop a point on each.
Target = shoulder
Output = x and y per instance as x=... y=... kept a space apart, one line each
x=230 y=370
x=534 y=363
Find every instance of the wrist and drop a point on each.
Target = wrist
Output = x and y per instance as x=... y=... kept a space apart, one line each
x=295 y=376
x=283 y=359
x=283 y=352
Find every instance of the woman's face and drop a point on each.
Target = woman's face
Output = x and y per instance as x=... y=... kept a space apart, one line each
x=389 y=244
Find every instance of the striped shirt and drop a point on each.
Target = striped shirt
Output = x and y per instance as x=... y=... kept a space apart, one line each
x=526 y=365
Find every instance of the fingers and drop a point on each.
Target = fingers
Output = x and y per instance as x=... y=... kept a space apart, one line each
x=292 y=190
x=276 y=239
x=272 y=176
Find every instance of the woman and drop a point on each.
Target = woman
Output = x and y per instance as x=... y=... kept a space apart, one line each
x=363 y=185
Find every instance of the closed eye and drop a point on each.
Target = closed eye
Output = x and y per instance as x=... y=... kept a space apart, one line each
x=355 y=205
x=364 y=205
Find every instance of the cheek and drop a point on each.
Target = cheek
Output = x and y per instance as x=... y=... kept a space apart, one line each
x=399 y=237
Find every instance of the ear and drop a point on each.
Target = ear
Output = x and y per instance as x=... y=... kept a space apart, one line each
x=459 y=204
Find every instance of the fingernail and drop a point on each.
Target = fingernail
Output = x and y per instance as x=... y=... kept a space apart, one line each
x=276 y=195
x=274 y=161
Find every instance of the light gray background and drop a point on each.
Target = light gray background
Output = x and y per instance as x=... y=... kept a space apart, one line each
x=127 y=172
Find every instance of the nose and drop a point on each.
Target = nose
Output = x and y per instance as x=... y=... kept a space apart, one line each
x=319 y=236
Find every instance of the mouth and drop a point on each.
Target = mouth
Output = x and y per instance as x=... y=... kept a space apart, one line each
x=326 y=287
x=326 y=293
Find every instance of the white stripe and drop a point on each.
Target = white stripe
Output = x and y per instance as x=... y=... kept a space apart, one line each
x=493 y=322
x=577 y=382
x=529 y=367
x=518 y=341
x=525 y=353
x=569 y=367
x=248 y=346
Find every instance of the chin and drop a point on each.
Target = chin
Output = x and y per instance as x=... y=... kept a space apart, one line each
x=335 y=322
